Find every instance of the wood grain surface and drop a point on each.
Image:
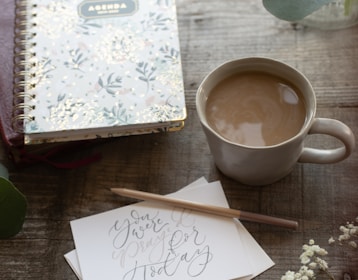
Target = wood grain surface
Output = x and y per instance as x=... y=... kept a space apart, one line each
x=320 y=197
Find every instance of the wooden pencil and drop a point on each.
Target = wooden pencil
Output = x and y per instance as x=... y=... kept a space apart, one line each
x=206 y=208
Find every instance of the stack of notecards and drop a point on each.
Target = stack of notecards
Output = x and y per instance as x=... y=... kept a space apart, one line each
x=153 y=241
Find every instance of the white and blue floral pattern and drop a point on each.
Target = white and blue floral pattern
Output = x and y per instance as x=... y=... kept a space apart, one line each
x=117 y=72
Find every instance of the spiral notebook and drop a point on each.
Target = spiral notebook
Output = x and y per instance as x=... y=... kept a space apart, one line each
x=92 y=68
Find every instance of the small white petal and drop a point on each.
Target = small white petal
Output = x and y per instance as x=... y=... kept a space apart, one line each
x=353 y=244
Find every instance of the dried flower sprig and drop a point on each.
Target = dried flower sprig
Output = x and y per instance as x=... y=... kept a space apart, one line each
x=312 y=257
x=349 y=235
x=312 y=262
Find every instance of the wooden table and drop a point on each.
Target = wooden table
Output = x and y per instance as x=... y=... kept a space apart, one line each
x=320 y=197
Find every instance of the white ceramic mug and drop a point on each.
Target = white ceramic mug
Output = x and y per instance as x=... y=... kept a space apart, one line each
x=264 y=165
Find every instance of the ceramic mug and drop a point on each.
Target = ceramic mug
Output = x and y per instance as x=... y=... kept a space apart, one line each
x=262 y=165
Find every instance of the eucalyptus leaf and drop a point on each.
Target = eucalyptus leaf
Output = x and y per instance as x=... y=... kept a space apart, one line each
x=12 y=209
x=3 y=172
x=293 y=10
x=349 y=6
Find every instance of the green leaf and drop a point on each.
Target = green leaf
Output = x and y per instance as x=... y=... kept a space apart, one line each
x=349 y=6
x=293 y=10
x=12 y=209
x=3 y=172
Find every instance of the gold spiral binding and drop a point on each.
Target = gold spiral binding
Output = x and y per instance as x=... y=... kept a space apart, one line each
x=23 y=52
x=22 y=106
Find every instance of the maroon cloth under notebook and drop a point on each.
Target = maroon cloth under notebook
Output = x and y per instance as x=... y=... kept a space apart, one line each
x=7 y=24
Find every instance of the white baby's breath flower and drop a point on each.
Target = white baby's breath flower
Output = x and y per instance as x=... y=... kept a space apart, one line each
x=353 y=230
x=321 y=252
x=306 y=247
x=353 y=244
x=305 y=259
x=322 y=263
x=310 y=273
x=312 y=256
x=312 y=265
x=315 y=248
x=349 y=232
x=343 y=237
x=311 y=260
x=343 y=229
x=289 y=275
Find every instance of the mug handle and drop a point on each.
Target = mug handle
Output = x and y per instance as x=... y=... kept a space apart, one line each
x=333 y=128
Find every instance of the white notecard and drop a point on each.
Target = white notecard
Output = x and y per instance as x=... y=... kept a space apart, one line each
x=176 y=244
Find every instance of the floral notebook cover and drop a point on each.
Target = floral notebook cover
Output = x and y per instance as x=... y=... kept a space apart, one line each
x=98 y=69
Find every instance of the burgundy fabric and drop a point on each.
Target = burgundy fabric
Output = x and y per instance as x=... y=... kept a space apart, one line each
x=7 y=23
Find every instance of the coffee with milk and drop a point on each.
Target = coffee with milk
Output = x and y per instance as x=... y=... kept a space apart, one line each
x=256 y=109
